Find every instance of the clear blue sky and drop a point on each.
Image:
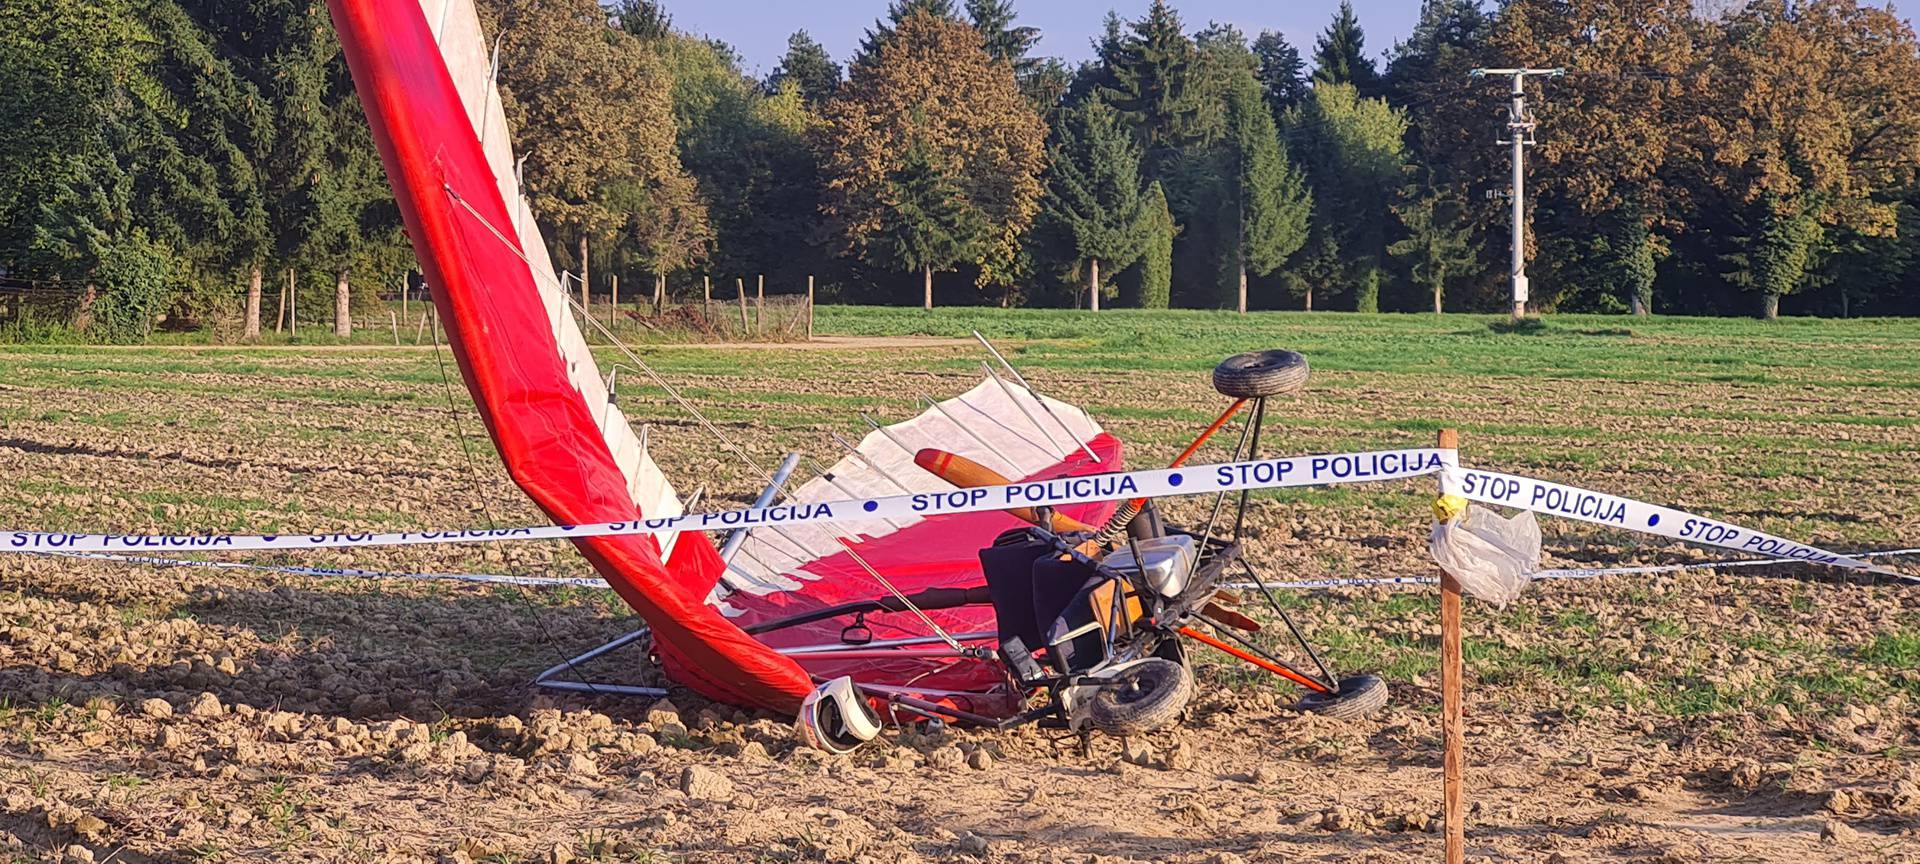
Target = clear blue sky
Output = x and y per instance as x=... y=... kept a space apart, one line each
x=758 y=29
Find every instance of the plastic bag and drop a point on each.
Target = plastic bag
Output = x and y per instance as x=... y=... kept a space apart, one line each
x=1492 y=558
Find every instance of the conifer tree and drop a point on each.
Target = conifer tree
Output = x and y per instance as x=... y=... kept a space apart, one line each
x=808 y=66
x=1093 y=201
x=1268 y=199
x=1339 y=56
x=1282 y=72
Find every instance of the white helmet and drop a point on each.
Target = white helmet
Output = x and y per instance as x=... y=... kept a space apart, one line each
x=836 y=718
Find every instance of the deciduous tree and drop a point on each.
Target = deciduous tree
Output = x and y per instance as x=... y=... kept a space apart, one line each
x=932 y=111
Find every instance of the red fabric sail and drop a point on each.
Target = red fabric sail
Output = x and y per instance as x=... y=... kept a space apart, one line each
x=504 y=342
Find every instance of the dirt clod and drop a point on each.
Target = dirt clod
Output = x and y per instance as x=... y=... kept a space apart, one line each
x=205 y=705
x=702 y=783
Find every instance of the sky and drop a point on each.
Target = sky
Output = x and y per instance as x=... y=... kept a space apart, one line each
x=758 y=29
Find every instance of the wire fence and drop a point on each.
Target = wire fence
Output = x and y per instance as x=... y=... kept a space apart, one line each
x=28 y=299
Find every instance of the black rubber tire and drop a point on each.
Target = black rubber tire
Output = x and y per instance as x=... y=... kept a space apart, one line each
x=1147 y=696
x=1358 y=697
x=1256 y=374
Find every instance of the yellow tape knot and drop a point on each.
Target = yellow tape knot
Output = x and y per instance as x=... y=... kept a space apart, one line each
x=1447 y=508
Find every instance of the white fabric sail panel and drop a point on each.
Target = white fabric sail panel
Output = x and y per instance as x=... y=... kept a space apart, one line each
x=985 y=424
x=469 y=59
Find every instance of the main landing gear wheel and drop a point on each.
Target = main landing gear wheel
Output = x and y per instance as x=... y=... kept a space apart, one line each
x=1357 y=697
x=1148 y=695
x=1258 y=374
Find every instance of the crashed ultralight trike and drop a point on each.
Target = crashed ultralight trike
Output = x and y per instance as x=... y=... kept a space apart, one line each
x=1092 y=622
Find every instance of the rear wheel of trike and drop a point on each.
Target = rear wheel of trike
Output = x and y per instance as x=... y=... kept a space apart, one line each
x=1357 y=697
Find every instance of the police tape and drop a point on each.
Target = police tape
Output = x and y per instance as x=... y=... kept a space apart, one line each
x=1293 y=471
x=1600 y=508
x=1574 y=573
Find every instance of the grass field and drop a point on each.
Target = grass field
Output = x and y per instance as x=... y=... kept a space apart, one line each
x=1664 y=702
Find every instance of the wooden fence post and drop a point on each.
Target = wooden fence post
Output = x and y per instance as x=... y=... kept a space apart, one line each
x=613 y=314
x=1452 y=728
x=740 y=289
x=706 y=299
x=293 y=304
x=809 y=307
x=760 y=304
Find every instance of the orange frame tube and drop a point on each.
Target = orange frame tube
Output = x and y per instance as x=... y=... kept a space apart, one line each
x=1256 y=660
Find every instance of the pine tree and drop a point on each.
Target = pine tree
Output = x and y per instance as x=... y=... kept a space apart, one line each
x=1446 y=28
x=928 y=225
x=1004 y=41
x=1093 y=199
x=809 y=67
x=1282 y=72
x=1269 y=199
x=1150 y=72
x=1439 y=244
x=1339 y=57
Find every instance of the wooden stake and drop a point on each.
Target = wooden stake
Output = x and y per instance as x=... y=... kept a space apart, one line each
x=280 y=314
x=394 y=322
x=1452 y=727
x=404 y=289
x=809 y=307
x=293 y=305
x=760 y=304
x=706 y=299
x=614 y=313
x=740 y=289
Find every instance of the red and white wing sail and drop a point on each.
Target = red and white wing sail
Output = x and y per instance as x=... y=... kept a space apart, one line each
x=474 y=69
x=423 y=76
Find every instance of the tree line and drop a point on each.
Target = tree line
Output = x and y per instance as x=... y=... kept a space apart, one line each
x=173 y=155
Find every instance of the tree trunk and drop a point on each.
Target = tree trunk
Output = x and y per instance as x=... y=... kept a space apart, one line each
x=1242 y=266
x=1437 y=284
x=1093 y=284
x=342 y=307
x=1638 y=307
x=583 y=274
x=1309 y=298
x=659 y=292
x=1770 y=306
x=252 y=330
x=926 y=302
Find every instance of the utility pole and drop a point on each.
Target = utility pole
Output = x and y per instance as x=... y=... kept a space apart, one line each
x=1520 y=135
